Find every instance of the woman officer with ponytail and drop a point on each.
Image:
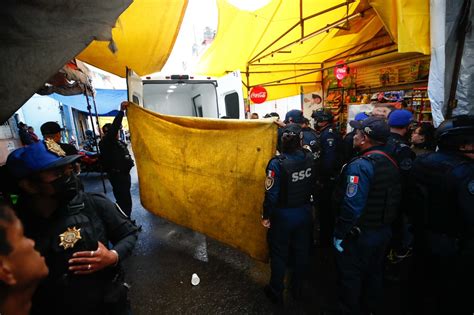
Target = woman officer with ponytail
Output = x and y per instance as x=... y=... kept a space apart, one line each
x=287 y=212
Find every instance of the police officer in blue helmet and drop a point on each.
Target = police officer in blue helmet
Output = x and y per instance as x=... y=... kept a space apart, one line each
x=328 y=165
x=367 y=198
x=84 y=237
x=287 y=212
x=348 y=141
x=443 y=210
x=399 y=147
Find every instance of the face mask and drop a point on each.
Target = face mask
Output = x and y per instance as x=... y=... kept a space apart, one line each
x=66 y=187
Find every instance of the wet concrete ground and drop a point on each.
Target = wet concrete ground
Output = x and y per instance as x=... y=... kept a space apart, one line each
x=167 y=255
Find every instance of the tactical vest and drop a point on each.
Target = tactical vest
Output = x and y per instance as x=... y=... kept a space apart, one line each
x=297 y=178
x=384 y=194
x=436 y=196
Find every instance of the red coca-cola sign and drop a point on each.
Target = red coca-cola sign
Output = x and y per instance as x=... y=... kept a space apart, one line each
x=258 y=94
x=340 y=70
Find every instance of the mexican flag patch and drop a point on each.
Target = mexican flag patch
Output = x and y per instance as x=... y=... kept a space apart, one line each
x=353 y=179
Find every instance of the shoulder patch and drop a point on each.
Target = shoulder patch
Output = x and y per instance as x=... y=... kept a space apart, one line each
x=351 y=190
x=269 y=181
x=470 y=187
x=330 y=141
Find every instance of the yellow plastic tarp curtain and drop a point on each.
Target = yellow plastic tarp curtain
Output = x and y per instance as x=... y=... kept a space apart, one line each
x=205 y=174
x=242 y=35
x=144 y=36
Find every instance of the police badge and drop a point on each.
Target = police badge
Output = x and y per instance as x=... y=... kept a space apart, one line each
x=70 y=237
x=53 y=147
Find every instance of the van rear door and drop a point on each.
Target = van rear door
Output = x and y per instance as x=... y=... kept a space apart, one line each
x=134 y=87
x=230 y=95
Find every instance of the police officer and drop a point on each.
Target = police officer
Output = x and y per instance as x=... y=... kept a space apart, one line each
x=310 y=138
x=348 y=141
x=117 y=161
x=83 y=237
x=398 y=146
x=287 y=211
x=444 y=219
x=399 y=121
x=328 y=167
x=368 y=196
x=52 y=130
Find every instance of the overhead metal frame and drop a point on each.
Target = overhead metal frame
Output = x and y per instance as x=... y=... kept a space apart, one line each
x=342 y=23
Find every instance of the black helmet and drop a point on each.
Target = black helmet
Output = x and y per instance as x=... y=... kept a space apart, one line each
x=322 y=114
x=455 y=131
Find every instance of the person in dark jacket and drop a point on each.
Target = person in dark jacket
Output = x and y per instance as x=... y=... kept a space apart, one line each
x=367 y=199
x=443 y=215
x=25 y=137
x=329 y=163
x=117 y=161
x=287 y=212
x=83 y=237
x=398 y=146
x=33 y=135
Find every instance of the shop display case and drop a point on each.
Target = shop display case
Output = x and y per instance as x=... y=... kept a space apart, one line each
x=421 y=105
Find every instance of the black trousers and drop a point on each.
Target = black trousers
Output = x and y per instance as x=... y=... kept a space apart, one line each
x=326 y=214
x=121 y=183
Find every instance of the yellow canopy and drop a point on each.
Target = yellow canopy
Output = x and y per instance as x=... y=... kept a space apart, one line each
x=205 y=174
x=256 y=42
x=407 y=21
x=144 y=37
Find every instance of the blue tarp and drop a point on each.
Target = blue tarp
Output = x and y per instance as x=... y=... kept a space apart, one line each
x=107 y=101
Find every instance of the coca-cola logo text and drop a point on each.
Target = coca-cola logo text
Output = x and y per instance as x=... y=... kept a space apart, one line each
x=258 y=94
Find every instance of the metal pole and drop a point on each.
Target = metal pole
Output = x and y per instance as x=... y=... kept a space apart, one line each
x=462 y=30
x=93 y=132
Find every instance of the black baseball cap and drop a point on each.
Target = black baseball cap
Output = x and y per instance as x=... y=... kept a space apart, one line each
x=50 y=127
x=374 y=127
x=292 y=129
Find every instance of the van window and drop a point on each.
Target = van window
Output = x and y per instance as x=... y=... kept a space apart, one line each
x=232 y=105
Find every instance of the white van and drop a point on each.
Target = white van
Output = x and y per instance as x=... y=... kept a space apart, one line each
x=184 y=95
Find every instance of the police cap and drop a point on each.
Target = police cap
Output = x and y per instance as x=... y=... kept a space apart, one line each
x=39 y=156
x=400 y=118
x=361 y=116
x=322 y=114
x=50 y=128
x=374 y=127
x=292 y=130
